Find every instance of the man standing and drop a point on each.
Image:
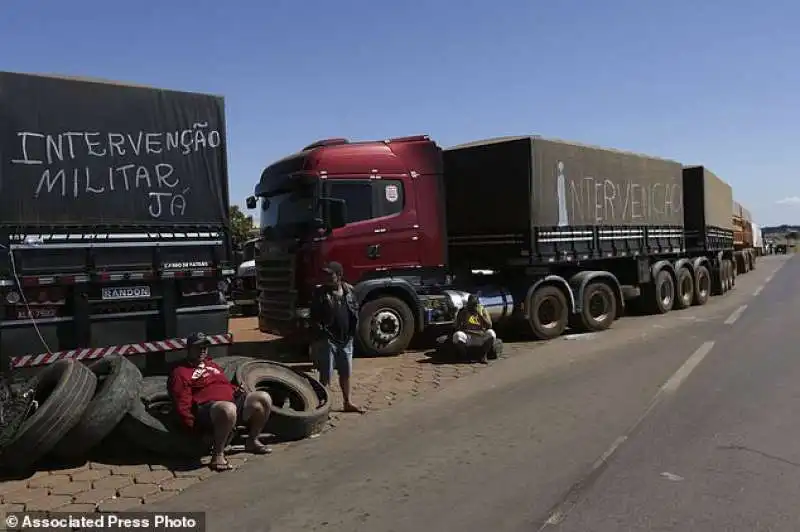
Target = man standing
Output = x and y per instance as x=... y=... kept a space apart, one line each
x=474 y=329
x=334 y=316
x=206 y=401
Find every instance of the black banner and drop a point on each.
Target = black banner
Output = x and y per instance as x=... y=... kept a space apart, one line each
x=97 y=153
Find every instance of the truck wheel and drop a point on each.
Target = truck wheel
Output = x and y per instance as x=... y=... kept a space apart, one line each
x=598 y=308
x=386 y=327
x=662 y=293
x=719 y=286
x=702 y=285
x=752 y=262
x=732 y=270
x=729 y=266
x=549 y=313
x=685 y=289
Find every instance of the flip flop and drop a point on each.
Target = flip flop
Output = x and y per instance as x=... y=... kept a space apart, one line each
x=259 y=450
x=220 y=466
x=352 y=409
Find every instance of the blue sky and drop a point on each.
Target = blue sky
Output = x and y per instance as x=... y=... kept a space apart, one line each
x=712 y=82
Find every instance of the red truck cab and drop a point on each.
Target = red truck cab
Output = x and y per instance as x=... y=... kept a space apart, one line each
x=372 y=206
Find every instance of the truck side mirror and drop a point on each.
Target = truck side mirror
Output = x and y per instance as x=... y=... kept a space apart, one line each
x=335 y=212
x=252 y=202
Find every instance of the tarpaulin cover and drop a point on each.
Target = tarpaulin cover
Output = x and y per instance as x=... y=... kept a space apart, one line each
x=104 y=154
x=511 y=184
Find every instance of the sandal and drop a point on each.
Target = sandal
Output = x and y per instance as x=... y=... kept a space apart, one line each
x=257 y=449
x=220 y=466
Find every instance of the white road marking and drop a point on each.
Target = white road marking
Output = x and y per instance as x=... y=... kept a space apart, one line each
x=758 y=290
x=686 y=369
x=669 y=387
x=768 y=279
x=735 y=315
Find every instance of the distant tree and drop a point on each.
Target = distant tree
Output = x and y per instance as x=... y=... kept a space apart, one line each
x=241 y=226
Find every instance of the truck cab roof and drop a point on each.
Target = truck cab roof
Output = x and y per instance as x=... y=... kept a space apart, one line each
x=340 y=157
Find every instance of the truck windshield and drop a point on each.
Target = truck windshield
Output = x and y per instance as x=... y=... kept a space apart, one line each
x=288 y=209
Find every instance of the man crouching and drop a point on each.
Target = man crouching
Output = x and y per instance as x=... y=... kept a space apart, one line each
x=474 y=331
x=206 y=401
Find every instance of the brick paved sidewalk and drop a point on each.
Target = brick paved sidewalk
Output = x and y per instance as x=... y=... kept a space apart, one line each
x=106 y=486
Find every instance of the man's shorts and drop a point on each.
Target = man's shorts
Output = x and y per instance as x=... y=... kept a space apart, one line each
x=202 y=412
x=329 y=355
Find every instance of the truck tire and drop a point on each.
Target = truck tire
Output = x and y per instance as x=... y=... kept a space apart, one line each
x=728 y=264
x=718 y=286
x=152 y=424
x=702 y=286
x=119 y=385
x=598 y=308
x=230 y=364
x=684 y=289
x=385 y=327
x=64 y=390
x=732 y=269
x=548 y=312
x=752 y=261
x=661 y=293
x=309 y=404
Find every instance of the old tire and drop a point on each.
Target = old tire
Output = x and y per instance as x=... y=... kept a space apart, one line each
x=385 y=327
x=306 y=407
x=598 y=308
x=63 y=392
x=548 y=312
x=684 y=289
x=702 y=286
x=661 y=293
x=153 y=426
x=119 y=384
x=230 y=364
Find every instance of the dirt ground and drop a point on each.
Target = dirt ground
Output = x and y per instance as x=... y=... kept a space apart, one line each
x=114 y=484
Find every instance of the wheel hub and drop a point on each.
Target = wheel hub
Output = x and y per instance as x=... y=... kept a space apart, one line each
x=598 y=307
x=386 y=326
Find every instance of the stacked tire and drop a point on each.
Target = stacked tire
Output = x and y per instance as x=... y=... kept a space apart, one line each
x=76 y=407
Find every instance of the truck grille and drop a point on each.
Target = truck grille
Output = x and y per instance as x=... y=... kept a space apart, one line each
x=277 y=294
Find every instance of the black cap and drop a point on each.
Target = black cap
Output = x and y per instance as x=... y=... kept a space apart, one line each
x=334 y=267
x=197 y=339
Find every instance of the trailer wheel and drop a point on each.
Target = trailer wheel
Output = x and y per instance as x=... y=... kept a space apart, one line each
x=548 y=313
x=63 y=391
x=662 y=293
x=385 y=327
x=685 y=289
x=598 y=308
x=752 y=261
x=719 y=286
x=702 y=285
x=732 y=269
x=728 y=266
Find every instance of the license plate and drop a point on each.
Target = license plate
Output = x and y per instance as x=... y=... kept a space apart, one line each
x=127 y=292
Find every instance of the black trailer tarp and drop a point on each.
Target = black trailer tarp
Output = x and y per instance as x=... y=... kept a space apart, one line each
x=509 y=185
x=76 y=152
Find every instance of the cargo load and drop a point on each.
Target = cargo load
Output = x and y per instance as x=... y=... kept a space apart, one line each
x=114 y=212
x=707 y=201
x=539 y=192
x=89 y=153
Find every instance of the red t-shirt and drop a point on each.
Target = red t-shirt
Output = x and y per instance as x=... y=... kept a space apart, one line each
x=191 y=385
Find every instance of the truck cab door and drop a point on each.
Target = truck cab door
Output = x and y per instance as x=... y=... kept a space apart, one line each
x=380 y=230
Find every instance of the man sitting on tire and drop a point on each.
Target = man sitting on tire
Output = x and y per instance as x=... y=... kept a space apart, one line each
x=207 y=402
x=334 y=316
x=474 y=332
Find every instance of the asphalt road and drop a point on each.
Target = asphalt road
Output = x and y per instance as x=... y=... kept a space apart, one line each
x=677 y=422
